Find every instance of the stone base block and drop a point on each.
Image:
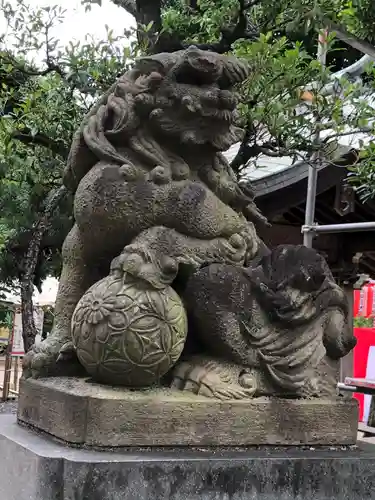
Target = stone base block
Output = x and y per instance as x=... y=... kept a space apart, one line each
x=36 y=468
x=80 y=412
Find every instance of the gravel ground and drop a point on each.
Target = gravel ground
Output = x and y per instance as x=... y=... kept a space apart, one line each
x=8 y=407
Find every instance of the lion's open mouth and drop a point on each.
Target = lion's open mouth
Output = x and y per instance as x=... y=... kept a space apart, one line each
x=218 y=114
x=216 y=105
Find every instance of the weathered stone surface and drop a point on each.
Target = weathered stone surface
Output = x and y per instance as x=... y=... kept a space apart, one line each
x=56 y=404
x=276 y=329
x=129 y=334
x=149 y=180
x=31 y=467
x=164 y=276
x=81 y=412
x=36 y=468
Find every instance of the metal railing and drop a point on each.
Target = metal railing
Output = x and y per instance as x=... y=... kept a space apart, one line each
x=338 y=228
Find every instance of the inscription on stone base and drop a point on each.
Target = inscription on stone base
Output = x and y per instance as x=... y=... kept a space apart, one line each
x=84 y=413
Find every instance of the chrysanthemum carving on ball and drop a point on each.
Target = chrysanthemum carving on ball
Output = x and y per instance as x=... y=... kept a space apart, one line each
x=95 y=308
x=128 y=334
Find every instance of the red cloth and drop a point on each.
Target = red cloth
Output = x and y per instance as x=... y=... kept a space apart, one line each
x=365 y=339
x=364 y=301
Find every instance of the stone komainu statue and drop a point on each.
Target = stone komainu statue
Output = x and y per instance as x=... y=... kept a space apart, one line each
x=164 y=278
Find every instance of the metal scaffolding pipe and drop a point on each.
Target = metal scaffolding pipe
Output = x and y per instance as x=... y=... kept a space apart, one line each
x=338 y=228
x=347 y=388
x=316 y=157
x=310 y=201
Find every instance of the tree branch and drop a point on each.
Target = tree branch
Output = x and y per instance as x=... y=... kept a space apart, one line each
x=245 y=151
x=149 y=11
x=22 y=68
x=57 y=147
x=343 y=34
x=364 y=130
x=243 y=29
x=352 y=40
x=51 y=68
x=129 y=5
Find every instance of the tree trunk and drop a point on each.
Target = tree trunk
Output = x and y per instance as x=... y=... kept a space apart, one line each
x=29 y=264
x=148 y=15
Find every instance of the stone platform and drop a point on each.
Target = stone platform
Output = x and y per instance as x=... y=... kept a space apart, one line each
x=37 y=468
x=83 y=413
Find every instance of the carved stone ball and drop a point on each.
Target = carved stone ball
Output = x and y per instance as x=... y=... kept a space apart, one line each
x=126 y=333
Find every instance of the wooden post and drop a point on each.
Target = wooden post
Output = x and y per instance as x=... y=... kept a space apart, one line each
x=15 y=374
x=8 y=365
x=7 y=371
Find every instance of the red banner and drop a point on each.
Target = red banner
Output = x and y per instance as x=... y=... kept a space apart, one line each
x=364 y=301
x=364 y=365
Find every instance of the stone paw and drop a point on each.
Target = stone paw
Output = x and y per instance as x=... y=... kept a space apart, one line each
x=251 y=240
x=67 y=352
x=52 y=357
x=233 y=250
x=157 y=270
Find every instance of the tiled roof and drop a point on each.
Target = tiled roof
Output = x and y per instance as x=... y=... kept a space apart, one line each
x=263 y=166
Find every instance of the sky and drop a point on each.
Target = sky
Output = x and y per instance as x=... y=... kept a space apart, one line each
x=79 y=23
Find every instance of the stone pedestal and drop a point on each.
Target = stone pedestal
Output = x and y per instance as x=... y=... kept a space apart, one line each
x=117 y=444
x=36 y=468
x=79 y=412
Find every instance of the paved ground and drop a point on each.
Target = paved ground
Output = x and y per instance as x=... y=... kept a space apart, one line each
x=8 y=407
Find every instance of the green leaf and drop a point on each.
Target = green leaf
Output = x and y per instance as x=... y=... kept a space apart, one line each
x=149 y=26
